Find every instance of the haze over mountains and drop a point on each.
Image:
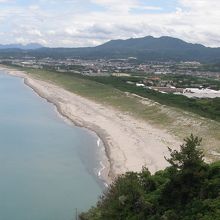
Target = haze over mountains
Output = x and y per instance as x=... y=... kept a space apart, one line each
x=146 y=48
x=31 y=46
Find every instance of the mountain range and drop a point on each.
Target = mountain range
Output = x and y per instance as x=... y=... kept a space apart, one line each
x=146 y=48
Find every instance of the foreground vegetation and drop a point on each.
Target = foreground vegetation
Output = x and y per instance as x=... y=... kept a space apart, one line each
x=187 y=190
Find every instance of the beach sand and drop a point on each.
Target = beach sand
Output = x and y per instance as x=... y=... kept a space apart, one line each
x=130 y=143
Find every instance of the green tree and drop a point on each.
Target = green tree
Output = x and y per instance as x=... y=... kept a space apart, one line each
x=190 y=172
x=189 y=156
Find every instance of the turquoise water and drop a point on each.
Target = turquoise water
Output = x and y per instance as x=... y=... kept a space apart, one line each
x=47 y=166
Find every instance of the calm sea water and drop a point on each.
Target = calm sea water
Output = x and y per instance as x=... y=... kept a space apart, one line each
x=47 y=166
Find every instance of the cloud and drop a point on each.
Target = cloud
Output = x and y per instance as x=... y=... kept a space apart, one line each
x=125 y=6
x=91 y=22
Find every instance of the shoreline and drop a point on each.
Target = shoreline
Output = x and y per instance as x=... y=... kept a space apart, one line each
x=105 y=174
x=125 y=139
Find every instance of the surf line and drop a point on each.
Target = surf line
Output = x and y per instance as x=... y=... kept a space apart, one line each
x=98 y=142
x=101 y=164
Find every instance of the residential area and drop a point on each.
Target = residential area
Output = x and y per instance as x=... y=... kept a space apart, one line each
x=192 y=79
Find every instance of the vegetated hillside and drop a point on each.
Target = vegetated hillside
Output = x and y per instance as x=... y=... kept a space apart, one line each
x=187 y=190
x=146 y=48
x=151 y=43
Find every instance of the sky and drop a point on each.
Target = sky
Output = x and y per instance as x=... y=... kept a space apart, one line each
x=79 y=23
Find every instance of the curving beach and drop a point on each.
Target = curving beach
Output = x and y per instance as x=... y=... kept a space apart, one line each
x=130 y=143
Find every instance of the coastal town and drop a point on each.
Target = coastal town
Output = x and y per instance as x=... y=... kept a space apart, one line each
x=117 y=67
x=191 y=79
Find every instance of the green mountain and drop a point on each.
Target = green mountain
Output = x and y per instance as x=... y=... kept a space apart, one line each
x=145 y=49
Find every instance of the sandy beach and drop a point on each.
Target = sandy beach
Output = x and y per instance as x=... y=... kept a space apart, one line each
x=130 y=143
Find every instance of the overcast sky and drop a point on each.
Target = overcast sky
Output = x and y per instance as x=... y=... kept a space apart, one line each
x=75 y=23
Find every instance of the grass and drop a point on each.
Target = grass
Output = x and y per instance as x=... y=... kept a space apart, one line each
x=101 y=93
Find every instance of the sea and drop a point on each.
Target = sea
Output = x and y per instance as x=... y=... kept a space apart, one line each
x=49 y=168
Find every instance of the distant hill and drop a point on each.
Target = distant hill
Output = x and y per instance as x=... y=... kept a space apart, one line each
x=150 y=43
x=146 y=48
x=31 y=46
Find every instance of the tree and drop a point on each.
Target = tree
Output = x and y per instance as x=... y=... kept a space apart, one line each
x=190 y=171
x=189 y=155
